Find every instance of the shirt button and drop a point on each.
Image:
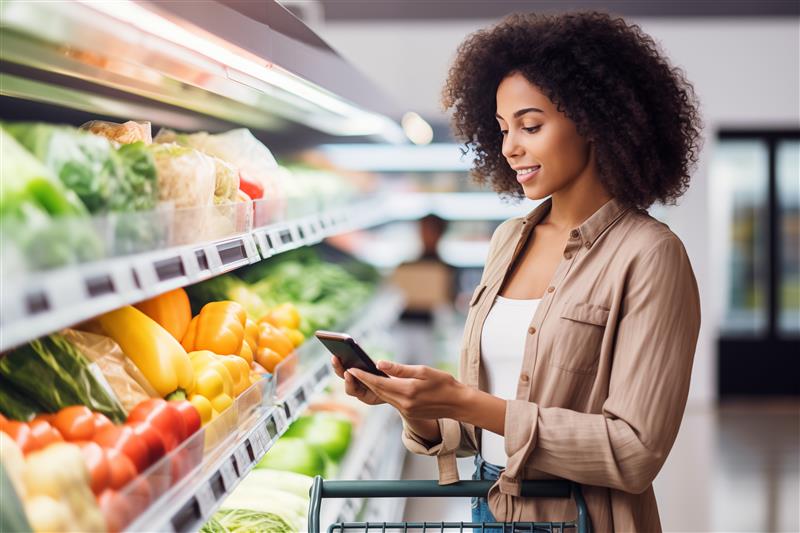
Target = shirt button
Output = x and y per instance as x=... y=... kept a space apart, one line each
x=531 y=330
x=550 y=288
x=568 y=255
x=574 y=234
x=588 y=244
x=524 y=378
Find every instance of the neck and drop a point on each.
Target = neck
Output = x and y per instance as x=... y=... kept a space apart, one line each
x=574 y=204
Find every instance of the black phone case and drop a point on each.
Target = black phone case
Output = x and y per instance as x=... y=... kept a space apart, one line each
x=351 y=355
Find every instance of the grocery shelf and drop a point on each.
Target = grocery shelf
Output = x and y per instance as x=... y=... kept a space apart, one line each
x=37 y=303
x=189 y=68
x=253 y=431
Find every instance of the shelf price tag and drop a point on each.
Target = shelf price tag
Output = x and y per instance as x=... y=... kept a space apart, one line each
x=242 y=459
x=228 y=474
x=205 y=499
x=260 y=441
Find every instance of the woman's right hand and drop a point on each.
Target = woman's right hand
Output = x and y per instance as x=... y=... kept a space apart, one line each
x=353 y=387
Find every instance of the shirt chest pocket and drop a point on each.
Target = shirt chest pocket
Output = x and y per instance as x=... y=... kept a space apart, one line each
x=579 y=337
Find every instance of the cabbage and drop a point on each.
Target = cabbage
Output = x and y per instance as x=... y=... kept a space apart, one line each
x=328 y=432
x=246 y=521
x=294 y=455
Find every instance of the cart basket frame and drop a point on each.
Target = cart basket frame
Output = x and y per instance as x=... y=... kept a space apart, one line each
x=431 y=489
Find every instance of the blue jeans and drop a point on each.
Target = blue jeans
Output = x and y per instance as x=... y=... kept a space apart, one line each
x=480 y=507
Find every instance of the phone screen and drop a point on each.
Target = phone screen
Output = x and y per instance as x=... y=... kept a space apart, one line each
x=348 y=351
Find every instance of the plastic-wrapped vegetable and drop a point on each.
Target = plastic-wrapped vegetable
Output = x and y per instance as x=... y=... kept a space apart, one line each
x=56 y=374
x=125 y=133
x=226 y=179
x=186 y=177
x=246 y=521
x=240 y=148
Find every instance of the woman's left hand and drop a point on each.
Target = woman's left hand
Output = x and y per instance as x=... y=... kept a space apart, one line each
x=416 y=391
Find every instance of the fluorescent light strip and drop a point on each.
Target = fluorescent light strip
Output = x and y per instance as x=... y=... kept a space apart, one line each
x=162 y=28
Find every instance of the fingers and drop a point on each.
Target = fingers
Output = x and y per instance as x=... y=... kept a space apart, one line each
x=400 y=371
x=337 y=366
x=377 y=384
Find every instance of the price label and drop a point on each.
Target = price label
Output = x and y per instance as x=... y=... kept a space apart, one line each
x=228 y=474
x=205 y=499
x=242 y=459
x=259 y=441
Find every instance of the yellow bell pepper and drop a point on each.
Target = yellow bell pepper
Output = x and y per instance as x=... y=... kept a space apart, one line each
x=171 y=310
x=239 y=370
x=285 y=315
x=246 y=354
x=213 y=381
x=204 y=409
x=219 y=327
x=268 y=358
x=160 y=357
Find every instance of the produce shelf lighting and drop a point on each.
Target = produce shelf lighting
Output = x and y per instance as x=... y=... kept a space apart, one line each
x=240 y=60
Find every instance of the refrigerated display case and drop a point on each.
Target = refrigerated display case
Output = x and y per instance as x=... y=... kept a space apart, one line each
x=190 y=66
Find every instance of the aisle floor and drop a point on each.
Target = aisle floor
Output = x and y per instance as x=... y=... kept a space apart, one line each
x=733 y=468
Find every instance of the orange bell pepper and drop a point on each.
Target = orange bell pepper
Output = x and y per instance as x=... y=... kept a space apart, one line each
x=273 y=338
x=219 y=328
x=171 y=310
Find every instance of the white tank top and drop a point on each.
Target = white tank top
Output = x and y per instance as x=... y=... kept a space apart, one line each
x=502 y=349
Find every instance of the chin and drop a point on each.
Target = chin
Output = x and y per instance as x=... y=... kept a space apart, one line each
x=536 y=193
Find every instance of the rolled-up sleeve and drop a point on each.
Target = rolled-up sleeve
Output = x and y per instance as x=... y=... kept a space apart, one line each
x=625 y=446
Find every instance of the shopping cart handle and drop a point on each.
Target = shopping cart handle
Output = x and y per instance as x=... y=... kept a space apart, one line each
x=432 y=489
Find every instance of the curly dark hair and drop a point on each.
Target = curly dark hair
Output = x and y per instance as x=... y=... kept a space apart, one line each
x=607 y=76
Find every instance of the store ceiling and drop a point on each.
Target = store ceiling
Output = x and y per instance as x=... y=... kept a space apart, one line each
x=357 y=10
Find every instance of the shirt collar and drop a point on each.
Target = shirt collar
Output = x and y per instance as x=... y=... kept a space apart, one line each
x=592 y=227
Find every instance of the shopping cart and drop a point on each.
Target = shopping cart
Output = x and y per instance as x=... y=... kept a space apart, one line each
x=431 y=489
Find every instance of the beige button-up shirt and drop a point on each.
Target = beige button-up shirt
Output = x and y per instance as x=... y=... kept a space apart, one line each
x=605 y=373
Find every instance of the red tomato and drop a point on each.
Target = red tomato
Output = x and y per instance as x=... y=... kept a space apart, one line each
x=76 y=422
x=121 y=469
x=101 y=422
x=96 y=459
x=47 y=417
x=125 y=440
x=164 y=417
x=21 y=433
x=191 y=418
x=43 y=434
x=116 y=510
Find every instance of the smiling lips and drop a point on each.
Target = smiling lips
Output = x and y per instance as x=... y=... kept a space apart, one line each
x=526 y=174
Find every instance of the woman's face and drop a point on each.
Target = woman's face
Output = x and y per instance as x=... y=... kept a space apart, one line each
x=540 y=143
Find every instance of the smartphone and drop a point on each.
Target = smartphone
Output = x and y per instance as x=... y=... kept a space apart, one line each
x=348 y=351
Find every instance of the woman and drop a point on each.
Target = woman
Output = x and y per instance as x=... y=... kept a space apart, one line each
x=579 y=341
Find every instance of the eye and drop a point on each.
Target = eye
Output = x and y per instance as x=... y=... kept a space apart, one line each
x=532 y=129
x=503 y=132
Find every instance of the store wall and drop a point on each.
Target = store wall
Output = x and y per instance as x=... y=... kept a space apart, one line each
x=746 y=73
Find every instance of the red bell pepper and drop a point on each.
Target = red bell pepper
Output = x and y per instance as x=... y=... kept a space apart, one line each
x=164 y=417
x=191 y=418
x=76 y=422
x=250 y=187
x=125 y=440
x=96 y=459
x=152 y=437
x=116 y=510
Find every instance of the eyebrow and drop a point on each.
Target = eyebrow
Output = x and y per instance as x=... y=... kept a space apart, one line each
x=521 y=112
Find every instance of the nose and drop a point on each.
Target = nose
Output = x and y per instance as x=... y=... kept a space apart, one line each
x=511 y=147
